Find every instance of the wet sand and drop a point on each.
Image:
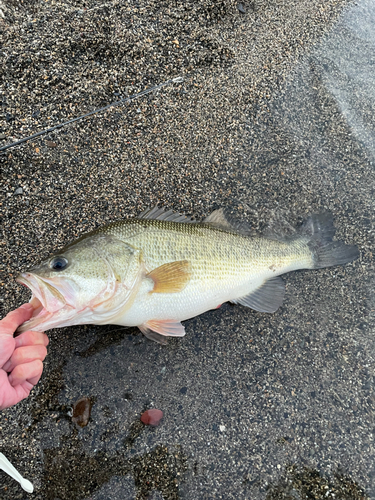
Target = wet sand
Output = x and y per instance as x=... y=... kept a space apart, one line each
x=256 y=406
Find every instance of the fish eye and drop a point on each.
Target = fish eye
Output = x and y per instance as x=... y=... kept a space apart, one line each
x=58 y=263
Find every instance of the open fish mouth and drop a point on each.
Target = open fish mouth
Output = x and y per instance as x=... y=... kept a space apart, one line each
x=50 y=305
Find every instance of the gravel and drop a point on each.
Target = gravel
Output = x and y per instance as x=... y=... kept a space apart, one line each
x=274 y=119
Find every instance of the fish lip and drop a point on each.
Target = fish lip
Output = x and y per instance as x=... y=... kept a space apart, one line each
x=51 y=301
x=52 y=294
x=49 y=295
x=29 y=281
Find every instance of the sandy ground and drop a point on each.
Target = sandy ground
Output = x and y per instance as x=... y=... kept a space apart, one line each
x=274 y=116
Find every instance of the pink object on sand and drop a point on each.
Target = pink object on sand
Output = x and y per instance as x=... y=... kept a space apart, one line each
x=152 y=417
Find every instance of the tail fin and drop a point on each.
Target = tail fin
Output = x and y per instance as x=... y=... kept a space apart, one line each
x=320 y=230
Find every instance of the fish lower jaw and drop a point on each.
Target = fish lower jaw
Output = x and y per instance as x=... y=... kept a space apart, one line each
x=37 y=323
x=43 y=320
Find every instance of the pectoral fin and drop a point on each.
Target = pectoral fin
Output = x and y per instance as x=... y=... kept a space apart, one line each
x=267 y=298
x=157 y=329
x=171 y=277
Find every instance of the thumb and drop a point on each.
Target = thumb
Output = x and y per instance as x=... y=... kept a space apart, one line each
x=14 y=319
x=8 y=325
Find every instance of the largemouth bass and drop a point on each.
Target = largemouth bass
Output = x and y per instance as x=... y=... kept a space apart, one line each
x=162 y=268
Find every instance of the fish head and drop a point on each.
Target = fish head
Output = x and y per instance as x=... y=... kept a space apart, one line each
x=86 y=282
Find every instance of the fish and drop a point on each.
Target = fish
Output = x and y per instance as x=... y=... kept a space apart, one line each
x=161 y=268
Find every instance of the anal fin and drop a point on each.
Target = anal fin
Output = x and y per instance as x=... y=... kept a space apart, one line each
x=157 y=330
x=267 y=298
x=156 y=337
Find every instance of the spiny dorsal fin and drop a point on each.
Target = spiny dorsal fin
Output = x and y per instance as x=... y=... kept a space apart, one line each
x=157 y=213
x=218 y=219
x=171 y=277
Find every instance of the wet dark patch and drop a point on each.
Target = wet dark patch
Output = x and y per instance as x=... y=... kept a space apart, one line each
x=47 y=402
x=159 y=470
x=71 y=473
x=107 y=339
x=135 y=431
x=301 y=483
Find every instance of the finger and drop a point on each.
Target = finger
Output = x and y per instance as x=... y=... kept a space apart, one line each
x=25 y=355
x=31 y=338
x=7 y=348
x=30 y=372
x=15 y=318
x=9 y=395
x=34 y=380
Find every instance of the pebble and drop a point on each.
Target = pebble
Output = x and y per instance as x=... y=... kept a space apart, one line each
x=241 y=8
x=19 y=190
x=81 y=412
x=152 y=417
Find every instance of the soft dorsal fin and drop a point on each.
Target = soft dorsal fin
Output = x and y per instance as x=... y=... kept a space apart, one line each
x=217 y=218
x=157 y=213
x=221 y=220
x=267 y=298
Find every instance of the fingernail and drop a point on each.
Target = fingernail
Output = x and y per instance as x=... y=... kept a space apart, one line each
x=26 y=306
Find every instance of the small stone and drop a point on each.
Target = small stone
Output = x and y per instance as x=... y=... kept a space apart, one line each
x=51 y=144
x=19 y=190
x=241 y=8
x=82 y=412
x=152 y=417
x=3 y=136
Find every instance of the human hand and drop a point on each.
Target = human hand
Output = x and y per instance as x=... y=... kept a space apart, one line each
x=21 y=358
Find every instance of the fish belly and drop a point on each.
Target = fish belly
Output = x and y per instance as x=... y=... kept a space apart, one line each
x=177 y=306
x=195 y=299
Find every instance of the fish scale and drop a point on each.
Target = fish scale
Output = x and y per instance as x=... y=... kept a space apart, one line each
x=224 y=266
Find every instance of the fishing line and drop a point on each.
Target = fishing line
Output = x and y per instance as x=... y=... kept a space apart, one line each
x=179 y=79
